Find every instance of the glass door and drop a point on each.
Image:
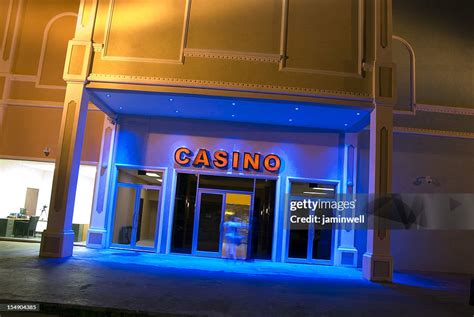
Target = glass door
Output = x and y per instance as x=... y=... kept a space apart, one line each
x=136 y=216
x=147 y=217
x=236 y=237
x=222 y=224
x=309 y=242
x=208 y=223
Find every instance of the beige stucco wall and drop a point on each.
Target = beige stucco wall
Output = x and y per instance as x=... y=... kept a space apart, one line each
x=32 y=89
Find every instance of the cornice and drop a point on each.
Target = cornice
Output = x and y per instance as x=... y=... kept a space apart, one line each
x=432 y=132
x=445 y=109
x=195 y=83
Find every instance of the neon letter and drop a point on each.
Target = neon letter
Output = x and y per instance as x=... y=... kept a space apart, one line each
x=181 y=156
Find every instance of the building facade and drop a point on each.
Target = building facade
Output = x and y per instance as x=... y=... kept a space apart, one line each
x=197 y=113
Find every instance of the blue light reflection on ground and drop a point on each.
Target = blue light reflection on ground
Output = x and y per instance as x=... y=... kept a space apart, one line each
x=151 y=263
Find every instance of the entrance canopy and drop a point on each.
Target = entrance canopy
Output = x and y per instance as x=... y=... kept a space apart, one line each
x=324 y=116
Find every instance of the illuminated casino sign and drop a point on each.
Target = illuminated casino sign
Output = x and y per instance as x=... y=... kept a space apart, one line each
x=223 y=160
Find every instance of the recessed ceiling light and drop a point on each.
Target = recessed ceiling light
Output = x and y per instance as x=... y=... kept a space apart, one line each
x=233 y=103
x=233 y=115
x=324 y=188
x=358 y=113
x=108 y=95
x=345 y=124
x=177 y=111
x=290 y=120
x=297 y=108
x=121 y=108
x=152 y=174
x=171 y=99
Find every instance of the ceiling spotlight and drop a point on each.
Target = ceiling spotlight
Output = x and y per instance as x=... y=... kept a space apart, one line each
x=290 y=120
x=233 y=115
x=233 y=103
x=358 y=113
x=108 y=95
x=345 y=124
x=297 y=108
x=121 y=108
x=177 y=111
x=171 y=99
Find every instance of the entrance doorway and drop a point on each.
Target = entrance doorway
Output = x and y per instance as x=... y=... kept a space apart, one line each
x=309 y=242
x=222 y=224
x=223 y=216
x=137 y=206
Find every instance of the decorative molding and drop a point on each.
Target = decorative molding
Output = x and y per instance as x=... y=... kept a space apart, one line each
x=234 y=55
x=43 y=50
x=85 y=21
x=33 y=103
x=384 y=23
x=178 y=61
x=411 y=53
x=432 y=132
x=5 y=33
x=5 y=61
x=284 y=46
x=98 y=47
x=69 y=74
x=445 y=109
x=195 y=83
x=38 y=104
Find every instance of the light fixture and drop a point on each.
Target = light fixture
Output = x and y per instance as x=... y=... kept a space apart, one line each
x=233 y=103
x=121 y=108
x=324 y=188
x=153 y=174
x=345 y=124
x=233 y=115
x=107 y=95
x=177 y=111
x=290 y=120
x=358 y=113
x=313 y=193
x=171 y=99
x=297 y=108
x=426 y=179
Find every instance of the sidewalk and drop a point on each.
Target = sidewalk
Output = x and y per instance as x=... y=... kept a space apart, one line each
x=169 y=285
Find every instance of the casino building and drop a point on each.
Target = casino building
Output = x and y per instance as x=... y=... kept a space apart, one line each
x=194 y=112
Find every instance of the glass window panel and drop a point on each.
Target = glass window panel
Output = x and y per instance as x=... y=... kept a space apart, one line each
x=210 y=217
x=124 y=209
x=183 y=219
x=226 y=183
x=236 y=225
x=322 y=239
x=313 y=190
x=147 y=217
x=145 y=177
x=263 y=219
x=298 y=241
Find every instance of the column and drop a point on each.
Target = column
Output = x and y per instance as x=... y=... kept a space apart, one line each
x=58 y=238
x=377 y=264
x=96 y=236
x=346 y=253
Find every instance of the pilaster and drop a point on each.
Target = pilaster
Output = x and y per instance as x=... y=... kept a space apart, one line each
x=96 y=236
x=346 y=253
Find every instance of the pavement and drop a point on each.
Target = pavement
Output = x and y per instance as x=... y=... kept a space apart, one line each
x=125 y=283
